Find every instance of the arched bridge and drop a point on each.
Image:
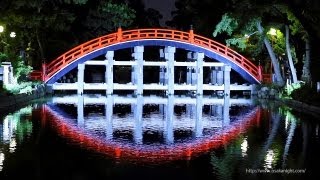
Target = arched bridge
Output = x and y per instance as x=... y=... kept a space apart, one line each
x=57 y=68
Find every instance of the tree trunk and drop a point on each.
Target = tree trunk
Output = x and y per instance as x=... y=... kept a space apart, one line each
x=306 y=75
x=292 y=69
x=42 y=56
x=274 y=60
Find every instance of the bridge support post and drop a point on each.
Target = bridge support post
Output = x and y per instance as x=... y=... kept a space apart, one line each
x=189 y=68
x=133 y=74
x=226 y=73
x=219 y=76
x=162 y=69
x=169 y=55
x=213 y=75
x=109 y=71
x=199 y=58
x=80 y=82
x=138 y=56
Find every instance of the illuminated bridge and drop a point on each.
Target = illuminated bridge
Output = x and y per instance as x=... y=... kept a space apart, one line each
x=221 y=60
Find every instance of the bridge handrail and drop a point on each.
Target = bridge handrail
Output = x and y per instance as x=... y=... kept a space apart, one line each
x=139 y=34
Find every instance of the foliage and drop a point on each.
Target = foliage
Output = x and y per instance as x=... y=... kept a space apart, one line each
x=227 y=24
x=23 y=87
x=108 y=16
x=3 y=57
x=200 y=14
x=294 y=23
x=20 y=70
x=270 y=86
x=45 y=29
x=34 y=21
x=278 y=42
x=1 y=87
x=289 y=88
x=242 y=36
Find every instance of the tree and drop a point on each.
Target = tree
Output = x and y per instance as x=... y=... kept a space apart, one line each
x=232 y=22
x=45 y=29
x=288 y=49
x=106 y=16
x=36 y=21
x=145 y=18
x=297 y=29
x=307 y=13
x=276 y=14
x=199 y=14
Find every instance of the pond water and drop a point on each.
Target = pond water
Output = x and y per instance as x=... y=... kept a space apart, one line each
x=117 y=137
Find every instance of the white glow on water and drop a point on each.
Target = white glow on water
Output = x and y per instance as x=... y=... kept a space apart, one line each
x=1 y=160
x=12 y=145
x=244 y=147
x=269 y=159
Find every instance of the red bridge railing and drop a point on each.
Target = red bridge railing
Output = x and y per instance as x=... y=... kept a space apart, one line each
x=36 y=75
x=139 y=34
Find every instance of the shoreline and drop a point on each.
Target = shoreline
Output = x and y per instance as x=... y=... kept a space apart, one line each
x=15 y=101
x=301 y=107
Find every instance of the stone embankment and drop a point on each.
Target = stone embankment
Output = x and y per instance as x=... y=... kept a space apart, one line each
x=10 y=101
x=273 y=94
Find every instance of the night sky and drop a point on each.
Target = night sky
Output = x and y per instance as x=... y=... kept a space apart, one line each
x=163 y=6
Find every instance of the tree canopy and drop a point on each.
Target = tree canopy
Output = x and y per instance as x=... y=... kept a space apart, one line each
x=45 y=29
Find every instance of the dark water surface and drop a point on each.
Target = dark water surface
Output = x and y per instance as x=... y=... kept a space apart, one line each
x=98 y=137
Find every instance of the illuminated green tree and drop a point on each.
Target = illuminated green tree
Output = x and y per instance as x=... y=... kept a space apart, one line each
x=231 y=22
x=236 y=24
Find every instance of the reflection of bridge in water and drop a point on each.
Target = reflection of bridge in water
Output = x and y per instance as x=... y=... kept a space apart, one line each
x=206 y=130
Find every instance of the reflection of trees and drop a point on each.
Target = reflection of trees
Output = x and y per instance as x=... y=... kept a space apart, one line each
x=15 y=128
x=225 y=164
x=292 y=121
x=275 y=119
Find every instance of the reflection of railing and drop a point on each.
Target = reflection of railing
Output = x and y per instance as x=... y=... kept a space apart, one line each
x=141 y=34
x=149 y=153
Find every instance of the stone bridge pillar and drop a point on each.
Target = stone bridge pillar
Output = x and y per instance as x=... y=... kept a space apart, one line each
x=80 y=82
x=109 y=71
x=226 y=77
x=189 y=68
x=214 y=75
x=162 y=69
x=219 y=76
x=199 y=58
x=169 y=56
x=138 y=69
